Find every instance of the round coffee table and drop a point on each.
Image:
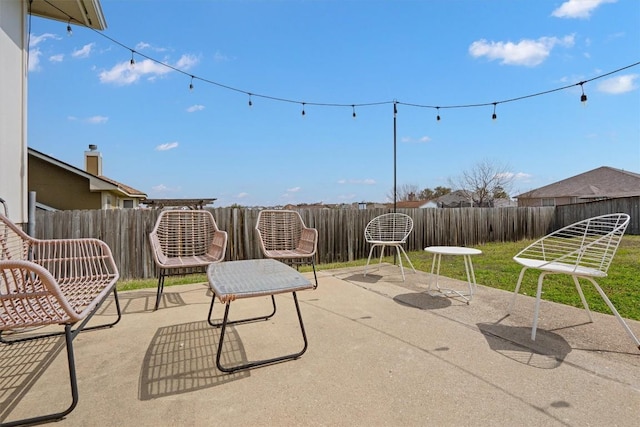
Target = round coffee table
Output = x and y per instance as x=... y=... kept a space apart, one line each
x=466 y=254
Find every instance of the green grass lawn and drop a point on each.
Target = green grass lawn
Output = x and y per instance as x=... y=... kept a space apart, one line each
x=495 y=268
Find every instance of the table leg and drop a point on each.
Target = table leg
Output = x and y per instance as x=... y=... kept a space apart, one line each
x=235 y=322
x=435 y=265
x=259 y=362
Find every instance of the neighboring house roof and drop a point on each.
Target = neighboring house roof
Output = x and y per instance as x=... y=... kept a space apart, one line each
x=454 y=199
x=603 y=182
x=96 y=183
x=409 y=204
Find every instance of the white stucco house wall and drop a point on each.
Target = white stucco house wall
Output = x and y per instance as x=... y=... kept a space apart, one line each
x=14 y=65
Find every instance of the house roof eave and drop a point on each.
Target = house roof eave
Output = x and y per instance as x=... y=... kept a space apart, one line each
x=87 y=13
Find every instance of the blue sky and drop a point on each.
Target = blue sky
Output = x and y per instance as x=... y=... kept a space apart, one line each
x=160 y=137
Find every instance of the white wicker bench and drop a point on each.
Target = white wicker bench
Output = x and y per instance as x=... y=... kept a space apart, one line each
x=52 y=282
x=185 y=241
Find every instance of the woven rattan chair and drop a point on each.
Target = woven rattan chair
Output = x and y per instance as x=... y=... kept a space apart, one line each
x=185 y=241
x=583 y=250
x=52 y=282
x=392 y=230
x=283 y=236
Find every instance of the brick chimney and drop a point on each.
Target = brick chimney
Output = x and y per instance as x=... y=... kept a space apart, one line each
x=93 y=160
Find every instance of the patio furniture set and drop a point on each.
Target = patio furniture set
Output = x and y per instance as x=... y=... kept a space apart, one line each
x=65 y=281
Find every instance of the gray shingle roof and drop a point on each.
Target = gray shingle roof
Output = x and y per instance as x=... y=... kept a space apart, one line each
x=604 y=181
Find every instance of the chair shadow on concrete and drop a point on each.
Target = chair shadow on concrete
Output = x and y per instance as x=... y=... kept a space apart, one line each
x=423 y=301
x=143 y=301
x=21 y=366
x=514 y=342
x=182 y=358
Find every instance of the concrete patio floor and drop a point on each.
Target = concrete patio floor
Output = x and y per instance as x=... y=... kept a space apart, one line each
x=381 y=352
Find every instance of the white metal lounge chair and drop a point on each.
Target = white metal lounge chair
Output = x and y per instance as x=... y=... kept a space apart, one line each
x=52 y=282
x=284 y=236
x=185 y=241
x=583 y=250
x=390 y=229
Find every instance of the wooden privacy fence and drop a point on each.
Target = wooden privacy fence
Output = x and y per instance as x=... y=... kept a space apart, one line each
x=340 y=231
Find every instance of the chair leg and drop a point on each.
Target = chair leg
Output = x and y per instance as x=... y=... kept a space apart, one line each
x=582 y=298
x=400 y=262
x=407 y=258
x=536 y=311
x=515 y=293
x=73 y=381
x=615 y=312
x=369 y=259
x=160 y=289
x=381 y=255
x=315 y=276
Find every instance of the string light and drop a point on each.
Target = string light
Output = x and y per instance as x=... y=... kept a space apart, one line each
x=250 y=102
x=69 y=30
x=583 y=97
x=353 y=107
x=191 y=85
x=133 y=61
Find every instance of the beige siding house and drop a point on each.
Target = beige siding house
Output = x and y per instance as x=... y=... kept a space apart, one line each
x=597 y=184
x=60 y=186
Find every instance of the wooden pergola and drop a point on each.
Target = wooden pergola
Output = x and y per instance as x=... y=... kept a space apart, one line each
x=188 y=203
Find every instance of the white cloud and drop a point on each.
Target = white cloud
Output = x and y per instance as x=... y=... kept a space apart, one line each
x=144 y=46
x=194 y=108
x=526 y=52
x=97 y=119
x=34 y=52
x=186 y=62
x=56 y=58
x=36 y=40
x=84 y=51
x=367 y=181
x=517 y=176
x=578 y=8
x=220 y=57
x=619 y=84
x=34 y=59
x=242 y=195
x=160 y=188
x=422 y=139
x=125 y=74
x=167 y=146
x=294 y=189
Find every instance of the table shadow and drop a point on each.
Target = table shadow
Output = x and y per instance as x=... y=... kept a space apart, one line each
x=359 y=277
x=423 y=300
x=182 y=358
